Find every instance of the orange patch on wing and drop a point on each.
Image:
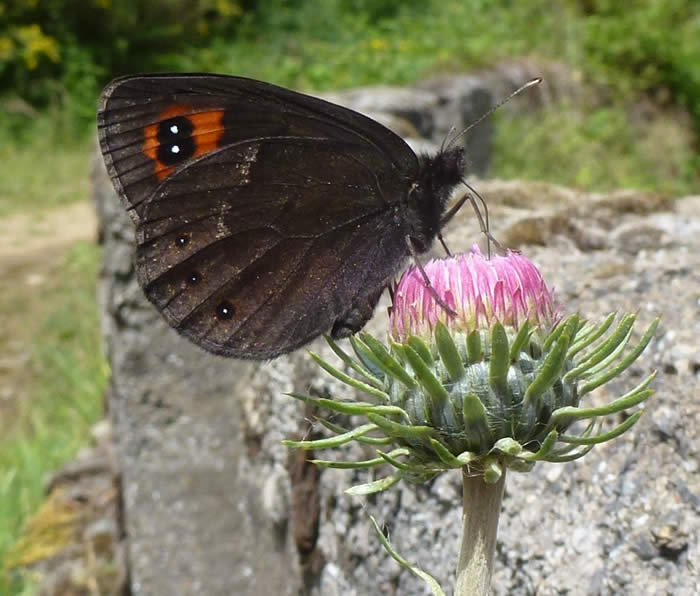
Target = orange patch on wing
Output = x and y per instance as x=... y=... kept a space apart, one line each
x=207 y=132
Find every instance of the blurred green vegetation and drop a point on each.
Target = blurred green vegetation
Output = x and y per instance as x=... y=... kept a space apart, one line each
x=51 y=50
x=637 y=125
x=64 y=51
x=55 y=56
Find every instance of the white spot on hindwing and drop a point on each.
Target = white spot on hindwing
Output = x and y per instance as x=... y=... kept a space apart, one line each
x=175 y=149
x=251 y=153
x=243 y=167
x=222 y=230
x=174 y=129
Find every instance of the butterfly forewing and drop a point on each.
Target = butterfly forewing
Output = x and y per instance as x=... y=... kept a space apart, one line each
x=226 y=110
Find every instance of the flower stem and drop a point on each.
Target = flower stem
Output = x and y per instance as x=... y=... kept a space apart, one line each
x=481 y=503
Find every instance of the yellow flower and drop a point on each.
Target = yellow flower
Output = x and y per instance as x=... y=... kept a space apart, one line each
x=226 y=8
x=36 y=45
x=7 y=48
x=378 y=44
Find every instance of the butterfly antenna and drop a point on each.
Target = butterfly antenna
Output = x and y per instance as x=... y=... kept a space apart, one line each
x=530 y=83
x=447 y=136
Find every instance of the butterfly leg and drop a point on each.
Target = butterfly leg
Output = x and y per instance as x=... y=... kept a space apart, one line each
x=357 y=316
x=426 y=279
x=482 y=218
x=444 y=244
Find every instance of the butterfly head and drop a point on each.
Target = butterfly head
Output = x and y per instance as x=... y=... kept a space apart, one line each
x=439 y=175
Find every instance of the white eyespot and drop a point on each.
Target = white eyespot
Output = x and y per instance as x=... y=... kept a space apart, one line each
x=175 y=149
x=174 y=129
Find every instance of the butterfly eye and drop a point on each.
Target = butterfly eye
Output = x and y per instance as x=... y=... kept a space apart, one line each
x=225 y=311
x=182 y=240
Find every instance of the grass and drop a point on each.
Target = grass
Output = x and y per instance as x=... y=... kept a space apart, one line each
x=31 y=182
x=61 y=392
x=600 y=151
x=44 y=164
x=326 y=45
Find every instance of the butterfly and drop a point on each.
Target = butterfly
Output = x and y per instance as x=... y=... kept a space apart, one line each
x=265 y=217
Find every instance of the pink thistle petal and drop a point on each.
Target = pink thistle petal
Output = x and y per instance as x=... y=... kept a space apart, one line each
x=499 y=301
x=480 y=315
x=508 y=289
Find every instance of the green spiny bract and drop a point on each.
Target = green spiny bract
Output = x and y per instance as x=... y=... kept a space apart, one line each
x=487 y=400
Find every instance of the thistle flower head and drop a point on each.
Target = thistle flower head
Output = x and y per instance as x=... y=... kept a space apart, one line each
x=506 y=289
x=492 y=383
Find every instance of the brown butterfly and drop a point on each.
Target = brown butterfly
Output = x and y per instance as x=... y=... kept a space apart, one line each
x=265 y=217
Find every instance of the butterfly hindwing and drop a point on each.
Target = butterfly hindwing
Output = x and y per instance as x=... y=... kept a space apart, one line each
x=233 y=261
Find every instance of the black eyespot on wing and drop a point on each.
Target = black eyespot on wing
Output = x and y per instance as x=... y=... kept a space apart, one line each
x=225 y=311
x=175 y=141
x=180 y=134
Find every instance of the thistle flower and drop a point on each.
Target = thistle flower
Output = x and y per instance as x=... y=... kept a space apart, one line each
x=495 y=382
x=508 y=290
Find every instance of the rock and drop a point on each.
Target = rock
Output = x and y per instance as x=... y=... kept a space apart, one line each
x=436 y=110
x=412 y=105
x=462 y=100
